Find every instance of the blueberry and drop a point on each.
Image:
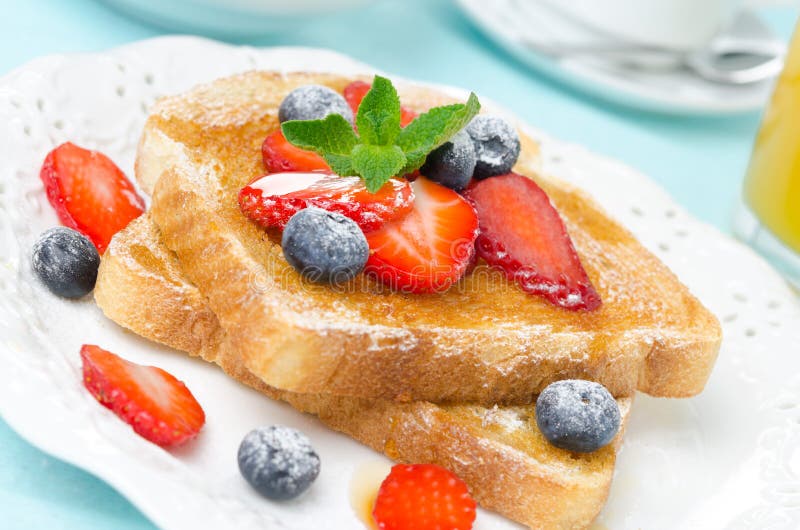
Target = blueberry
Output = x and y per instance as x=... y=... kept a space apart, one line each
x=577 y=415
x=496 y=145
x=324 y=247
x=279 y=462
x=66 y=262
x=452 y=163
x=313 y=102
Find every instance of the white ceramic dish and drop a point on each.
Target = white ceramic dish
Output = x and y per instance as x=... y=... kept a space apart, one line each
x=230 y=18
x=664 y=91
x=729 y=458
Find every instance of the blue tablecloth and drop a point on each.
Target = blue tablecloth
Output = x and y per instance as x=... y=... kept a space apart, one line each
x=700 y=161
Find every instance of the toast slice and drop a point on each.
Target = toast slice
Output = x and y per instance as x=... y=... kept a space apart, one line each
x=494 y=343
x=499 y=452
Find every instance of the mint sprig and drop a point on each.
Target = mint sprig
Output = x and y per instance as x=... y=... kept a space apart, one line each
x=333 y=138
x=381 y=149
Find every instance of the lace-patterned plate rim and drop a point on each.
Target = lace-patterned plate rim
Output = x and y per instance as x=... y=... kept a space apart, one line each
x=101 y=100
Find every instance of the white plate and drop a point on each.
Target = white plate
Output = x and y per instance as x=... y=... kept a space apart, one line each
x=670 y=91
x=729 y=458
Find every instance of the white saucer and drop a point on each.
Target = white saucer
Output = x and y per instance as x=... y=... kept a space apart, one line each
x=669 y=91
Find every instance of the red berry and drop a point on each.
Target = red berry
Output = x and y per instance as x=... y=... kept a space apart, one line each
x=355 y=92
x=158 y=407
x=522 y=234
x=430 y=248
x=272 y=200
x=279 y=156
x=423 y=497
x=89 y=193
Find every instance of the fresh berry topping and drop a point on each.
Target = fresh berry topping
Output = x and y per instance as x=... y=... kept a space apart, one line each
x=423 y=497
x=522 y=234
x=272 y=200
x=453 y=163
x=355 y=92
x=496 y=145
x=66 y=262
x=279 y=156
x=576 y=415
x=89 y=192
x=158 y=406
x=324 y=247
x=428 y=249
x=313 y=102
x=279 y=462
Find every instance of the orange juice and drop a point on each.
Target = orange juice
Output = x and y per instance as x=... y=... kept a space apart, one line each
x=772 y=185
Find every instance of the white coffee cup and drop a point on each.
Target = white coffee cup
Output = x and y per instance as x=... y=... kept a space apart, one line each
x=674 y=24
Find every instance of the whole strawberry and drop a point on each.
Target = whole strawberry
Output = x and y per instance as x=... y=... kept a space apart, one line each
x=423 y=497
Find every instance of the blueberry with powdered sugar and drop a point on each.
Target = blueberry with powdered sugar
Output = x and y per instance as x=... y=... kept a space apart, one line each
x=577 y=415
x=66 y=262
x=324 y=247
x=313 y=102
x=496 y=145
x=452 y=163
x=279 y=462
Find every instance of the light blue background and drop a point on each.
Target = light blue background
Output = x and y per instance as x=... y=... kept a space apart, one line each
x=700 y=161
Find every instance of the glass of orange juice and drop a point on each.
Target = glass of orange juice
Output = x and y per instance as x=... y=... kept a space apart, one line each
x=769 y=218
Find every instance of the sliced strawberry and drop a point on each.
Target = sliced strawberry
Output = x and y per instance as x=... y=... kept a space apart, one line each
x=355 y=92
x=279 y=156
x=273 y=199
x=158 y=407
x=406 y=116
x=430 y=248
x=522 y=234
x=423 y=497
x=89 y=192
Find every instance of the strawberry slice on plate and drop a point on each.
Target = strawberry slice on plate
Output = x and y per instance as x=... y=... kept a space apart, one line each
x=355 y=92
x=523 y=235
x=158 y=406
x=279 y=156
x=89 y=192
x=272 y=200
x=430 y=248
x=423 y=497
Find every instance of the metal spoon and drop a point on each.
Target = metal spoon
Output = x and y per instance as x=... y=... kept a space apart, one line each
x=738 y=61
x=746 y=52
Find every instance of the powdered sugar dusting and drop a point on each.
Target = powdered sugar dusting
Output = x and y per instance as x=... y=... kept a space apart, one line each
x=497 y=145
x=278 y=461
x=577 y=415
x=313 y=102
x=506 y=418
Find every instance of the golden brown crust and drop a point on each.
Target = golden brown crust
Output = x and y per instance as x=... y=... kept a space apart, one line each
x=494 y=342
x=499 y=452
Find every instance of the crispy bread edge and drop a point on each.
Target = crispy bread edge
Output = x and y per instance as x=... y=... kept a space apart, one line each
x=672 y=362
x=140 y=286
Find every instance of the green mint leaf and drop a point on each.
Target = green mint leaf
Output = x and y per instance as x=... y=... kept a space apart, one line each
x=378 y=118
x=383 y=150
x=433 y=128
x=377 y=164
x=342 y=165
x=333 y=135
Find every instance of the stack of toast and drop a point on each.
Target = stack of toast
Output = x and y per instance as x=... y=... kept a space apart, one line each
x=448 y=378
